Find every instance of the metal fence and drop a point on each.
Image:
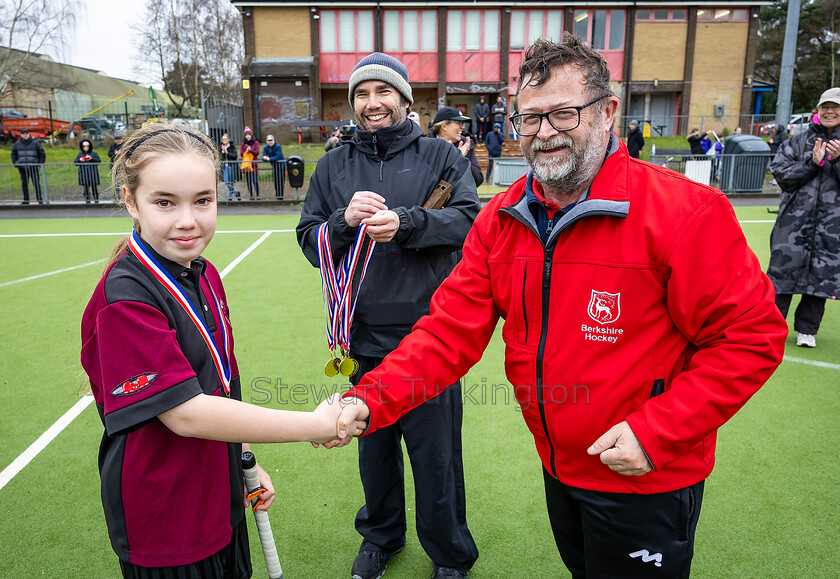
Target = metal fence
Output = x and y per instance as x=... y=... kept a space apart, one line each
x=59 y=183
x=736 y=173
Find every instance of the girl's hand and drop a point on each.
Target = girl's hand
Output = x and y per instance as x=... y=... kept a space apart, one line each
x=326 y=417
x=267 y=496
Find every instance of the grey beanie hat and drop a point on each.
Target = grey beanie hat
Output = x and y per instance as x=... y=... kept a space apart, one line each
x=378 y=66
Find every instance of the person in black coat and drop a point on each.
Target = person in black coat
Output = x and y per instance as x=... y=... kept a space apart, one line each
x=28 y=155
x=635 y=140
x=115 y=147
x=694 y=141
x=499 y=113
x=88 y=162
x=449 y=126
x=778 y=135
x=493 y=142
x=482 y=119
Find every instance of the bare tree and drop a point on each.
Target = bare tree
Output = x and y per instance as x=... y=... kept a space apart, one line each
x=33 y=27
x=192 y=46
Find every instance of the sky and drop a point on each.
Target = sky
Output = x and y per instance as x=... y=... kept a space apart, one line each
x=105 y=39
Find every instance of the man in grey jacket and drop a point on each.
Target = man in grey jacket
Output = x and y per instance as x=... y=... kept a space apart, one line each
x=805 y=242
x=381 y=178
x=28 y=156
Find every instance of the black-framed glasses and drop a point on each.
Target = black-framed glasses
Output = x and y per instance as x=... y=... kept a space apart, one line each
x=562 y=119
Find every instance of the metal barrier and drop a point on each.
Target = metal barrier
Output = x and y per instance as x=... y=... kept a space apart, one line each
x=60 y=183
x=738 y=173
x=507 y=170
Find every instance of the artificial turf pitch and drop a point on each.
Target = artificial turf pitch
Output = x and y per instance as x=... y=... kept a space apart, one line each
x=771 y=506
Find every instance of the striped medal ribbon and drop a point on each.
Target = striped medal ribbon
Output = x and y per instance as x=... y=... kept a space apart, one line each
x=157 y=270
x=336 y=286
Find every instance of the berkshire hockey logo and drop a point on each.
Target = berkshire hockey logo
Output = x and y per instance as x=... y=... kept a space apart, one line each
x=647 y=557
x=135 y=385
x=604 y=307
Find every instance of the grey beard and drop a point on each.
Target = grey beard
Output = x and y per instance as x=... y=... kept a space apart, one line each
x=398 y=117
x=570 y=175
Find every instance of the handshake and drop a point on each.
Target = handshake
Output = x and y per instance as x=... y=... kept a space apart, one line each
x=337 y=420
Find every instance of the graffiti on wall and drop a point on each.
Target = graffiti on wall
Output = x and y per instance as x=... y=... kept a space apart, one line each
x=282 y=110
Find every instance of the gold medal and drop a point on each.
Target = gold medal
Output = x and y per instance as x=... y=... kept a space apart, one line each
x=331 y=367
x=348 y=367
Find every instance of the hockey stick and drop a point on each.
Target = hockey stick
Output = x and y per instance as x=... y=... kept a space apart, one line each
x=252 y=481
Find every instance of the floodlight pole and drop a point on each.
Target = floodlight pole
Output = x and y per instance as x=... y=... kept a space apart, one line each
x=783 y=104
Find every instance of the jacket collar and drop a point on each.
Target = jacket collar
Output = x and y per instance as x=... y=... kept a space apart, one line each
x=608 y=194
x=400 y=137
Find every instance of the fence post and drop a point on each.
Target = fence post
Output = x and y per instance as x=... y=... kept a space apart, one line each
x=49 y=104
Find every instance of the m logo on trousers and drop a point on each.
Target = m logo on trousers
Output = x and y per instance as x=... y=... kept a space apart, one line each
x=647 y=557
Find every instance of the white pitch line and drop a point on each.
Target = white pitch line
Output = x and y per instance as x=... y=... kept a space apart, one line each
x=812 y=362
x=53 y=431
x=40 y=275
x=115 y=233
x=244 y=254
x=36 y=447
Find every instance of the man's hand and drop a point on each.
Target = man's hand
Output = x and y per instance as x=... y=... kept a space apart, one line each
x=819 y=151
x=332 y=431
x=265 y=158
x=621 y=451
x=364 y=204
x=833 y=149
x=382 y=226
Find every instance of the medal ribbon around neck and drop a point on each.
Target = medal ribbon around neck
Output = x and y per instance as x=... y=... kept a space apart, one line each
x=336 y=285
x=157 y=270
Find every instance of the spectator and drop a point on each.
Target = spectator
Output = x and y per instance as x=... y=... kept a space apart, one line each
x=28 y=156
x=707 y=141
x=416 y=249
x=737 y=131
x=228 y=157
x=334 y=139
x=115 y=147
x=695 y=142
x=482 y=119
x=273 y=153
x=88 y=162
x=250 y=152
x=449 y=126
x=635 y=140
x=637 y=322
x=805 y=242
x=778 y=135
x=493 y=142
x=499 y=112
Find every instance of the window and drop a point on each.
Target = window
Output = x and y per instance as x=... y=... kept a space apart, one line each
x=346 y=31
x=528 y=25
x=617 y=30
x=599 y=25
x=661 y=15
x=472 y=30
x=409 y=31
x=723 y=14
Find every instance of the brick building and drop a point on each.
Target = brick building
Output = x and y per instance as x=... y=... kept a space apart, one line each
x=673 y=63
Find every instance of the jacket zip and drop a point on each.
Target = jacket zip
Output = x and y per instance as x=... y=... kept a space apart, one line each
x=381 y=161
x=546 y=290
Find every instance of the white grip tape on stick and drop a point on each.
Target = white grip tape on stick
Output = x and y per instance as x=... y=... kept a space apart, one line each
x=272 y=560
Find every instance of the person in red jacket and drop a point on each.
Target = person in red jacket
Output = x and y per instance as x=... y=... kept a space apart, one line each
x=637 y=321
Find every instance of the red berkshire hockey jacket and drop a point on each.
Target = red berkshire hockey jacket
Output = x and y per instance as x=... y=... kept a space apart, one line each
x=645 y=305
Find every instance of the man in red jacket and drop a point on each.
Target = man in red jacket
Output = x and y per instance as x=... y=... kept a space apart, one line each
x=637 y=322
